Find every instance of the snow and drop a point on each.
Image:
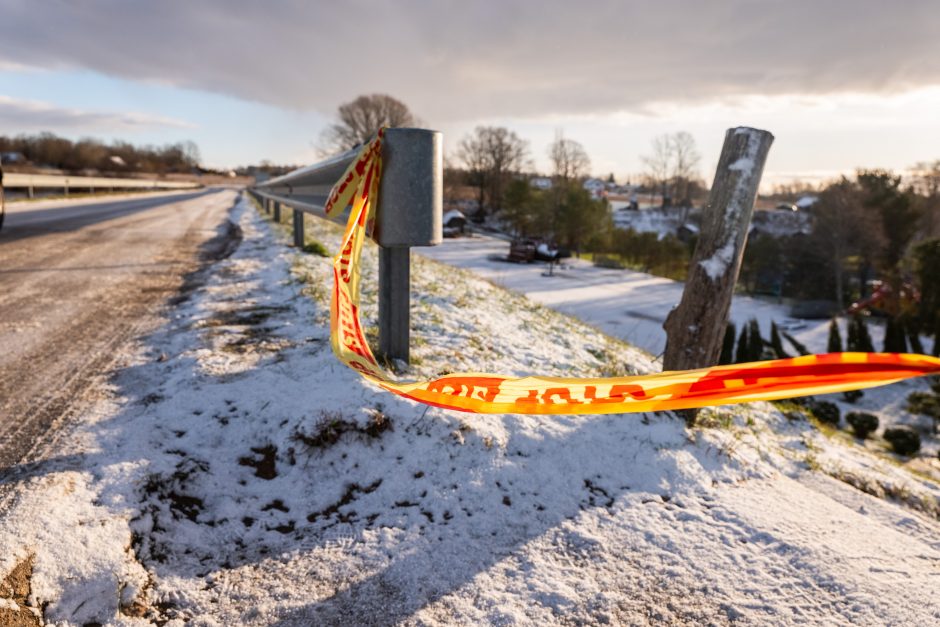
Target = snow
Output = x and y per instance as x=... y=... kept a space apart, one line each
x=665 y=222
x=717 y=265
x=744 y=164
x=624 y=303
x=780 y=223
x=451 y=214
x=660 y=221
x=195 y=489
x=806 y=202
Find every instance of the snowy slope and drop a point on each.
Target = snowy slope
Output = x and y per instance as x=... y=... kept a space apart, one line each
x=237 y=474
x=627 y=304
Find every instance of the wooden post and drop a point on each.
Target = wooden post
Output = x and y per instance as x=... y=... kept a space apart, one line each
x=696 y=327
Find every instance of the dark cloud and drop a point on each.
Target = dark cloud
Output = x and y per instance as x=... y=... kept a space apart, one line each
x=30 y=115
x=458 y=60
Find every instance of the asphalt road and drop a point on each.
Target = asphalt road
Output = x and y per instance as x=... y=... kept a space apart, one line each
x=78 y=281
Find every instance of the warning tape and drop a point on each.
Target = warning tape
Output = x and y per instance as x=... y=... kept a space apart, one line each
x=493 y=394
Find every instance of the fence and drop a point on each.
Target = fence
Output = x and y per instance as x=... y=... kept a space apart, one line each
x=31 y=182
x=409 y=213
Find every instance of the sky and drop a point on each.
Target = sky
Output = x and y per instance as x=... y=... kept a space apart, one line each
x=841 y=84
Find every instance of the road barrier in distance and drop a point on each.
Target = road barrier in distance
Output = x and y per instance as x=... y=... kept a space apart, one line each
x=31 y=182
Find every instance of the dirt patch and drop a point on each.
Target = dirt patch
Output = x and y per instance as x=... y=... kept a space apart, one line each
x=248 y=316
x=14 y=593
x=263 y=461
x=243 y=331
x=353 y=490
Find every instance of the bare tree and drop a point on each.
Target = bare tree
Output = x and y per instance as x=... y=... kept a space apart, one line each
x=471 y=151
x=926 y=182
x=491 y=154
x=568 y=157
x=685 y=162
x=361 y=118
x=926 y=178
x=659 y=164
x=673 y=165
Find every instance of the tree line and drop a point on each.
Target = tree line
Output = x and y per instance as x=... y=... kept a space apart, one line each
x=874 y=237
x=51 y=151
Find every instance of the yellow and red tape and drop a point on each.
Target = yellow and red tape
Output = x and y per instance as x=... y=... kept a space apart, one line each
x=494 y=394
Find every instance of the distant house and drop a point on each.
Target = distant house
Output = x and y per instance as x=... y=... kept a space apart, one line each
x=687 y=232
x=540 y=182
x=455 y=223
x=806 y=202
x=12 y=157
x=597 y=187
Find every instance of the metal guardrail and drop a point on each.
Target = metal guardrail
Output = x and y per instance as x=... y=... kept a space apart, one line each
x=409 y=213
x=31 y=182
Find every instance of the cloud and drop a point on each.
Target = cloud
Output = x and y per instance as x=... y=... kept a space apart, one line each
x=453 y=60
x=28 y=115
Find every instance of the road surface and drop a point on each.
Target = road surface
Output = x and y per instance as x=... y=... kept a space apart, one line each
x=78 y=280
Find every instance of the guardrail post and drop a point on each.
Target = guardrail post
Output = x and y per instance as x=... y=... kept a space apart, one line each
x=409 y=214
x=395 y=302
x=298 y=228
x=30 y=191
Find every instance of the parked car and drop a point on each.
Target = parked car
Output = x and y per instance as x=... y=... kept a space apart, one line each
x=455 y=223
x=787 y=206
x=529 y=249
x=522 y=250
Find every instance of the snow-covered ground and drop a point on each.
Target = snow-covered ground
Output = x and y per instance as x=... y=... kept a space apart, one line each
x=667 y=221
x=236 y=473
x=624 y=303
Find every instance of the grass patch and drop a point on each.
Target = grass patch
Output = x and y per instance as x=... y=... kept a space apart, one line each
x=331 y=427
x=315 y=248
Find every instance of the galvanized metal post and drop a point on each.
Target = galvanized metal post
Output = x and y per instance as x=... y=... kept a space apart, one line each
x=409 y=214
x=298 y=228
x=395 y=303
